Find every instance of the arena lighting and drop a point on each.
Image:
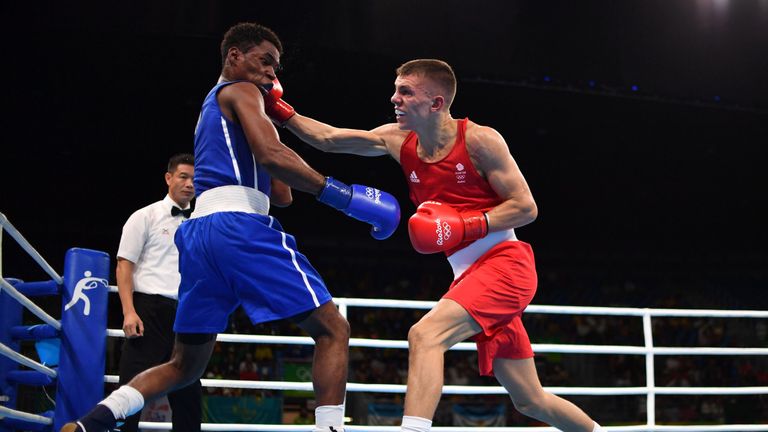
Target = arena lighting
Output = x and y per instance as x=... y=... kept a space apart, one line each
x=717 y=7
x=720 y=5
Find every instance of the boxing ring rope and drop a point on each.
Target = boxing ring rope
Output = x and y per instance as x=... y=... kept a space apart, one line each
x=648 y=350
x=21 y=415
x=36 y=310
x=27 y=303
x=13 y=232
x=71 y=286
x=5 y=286
x=72 y=345
x=26 y=361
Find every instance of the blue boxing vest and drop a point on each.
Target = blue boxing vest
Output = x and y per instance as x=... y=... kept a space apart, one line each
x=222 y=154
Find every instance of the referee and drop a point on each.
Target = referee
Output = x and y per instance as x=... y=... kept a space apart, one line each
x=148 y=283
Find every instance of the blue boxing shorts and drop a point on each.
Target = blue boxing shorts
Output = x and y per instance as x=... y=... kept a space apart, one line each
x=228 y=259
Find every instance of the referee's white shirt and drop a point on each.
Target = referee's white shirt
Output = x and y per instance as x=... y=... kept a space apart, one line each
x=147 y=241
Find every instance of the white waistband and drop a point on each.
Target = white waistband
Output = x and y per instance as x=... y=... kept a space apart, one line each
x=463 y=258
x=231 y=199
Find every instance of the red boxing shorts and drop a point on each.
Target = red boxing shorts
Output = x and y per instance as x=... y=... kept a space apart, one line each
x=495 y=290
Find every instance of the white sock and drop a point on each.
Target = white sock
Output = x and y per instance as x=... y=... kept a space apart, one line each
x=124 y=402
x=415 y=424
x=328 y=416
x=598 y=428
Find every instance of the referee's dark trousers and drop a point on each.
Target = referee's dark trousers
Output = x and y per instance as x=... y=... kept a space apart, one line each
x=155 y=347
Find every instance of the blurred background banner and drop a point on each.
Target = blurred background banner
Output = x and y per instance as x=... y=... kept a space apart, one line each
x=243 y=409
x=385 y=414
x=479 y=415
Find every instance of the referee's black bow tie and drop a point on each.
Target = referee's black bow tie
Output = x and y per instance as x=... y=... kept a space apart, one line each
x=176 y=211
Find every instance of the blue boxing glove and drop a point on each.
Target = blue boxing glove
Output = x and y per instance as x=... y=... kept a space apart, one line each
x=364 y=203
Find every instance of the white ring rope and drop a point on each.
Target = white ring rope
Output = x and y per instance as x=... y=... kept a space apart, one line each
x=21 y=415
x=27 y=303
x=474 y=390
x=570 y=310
x=648 y=350
x=30 y=250
x=26 y=361
x=468 y=346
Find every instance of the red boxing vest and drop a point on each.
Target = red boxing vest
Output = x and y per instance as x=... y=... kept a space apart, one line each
x=452 y=180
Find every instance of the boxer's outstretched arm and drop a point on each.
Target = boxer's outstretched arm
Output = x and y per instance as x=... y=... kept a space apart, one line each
x=243 y=103
x=327 y=138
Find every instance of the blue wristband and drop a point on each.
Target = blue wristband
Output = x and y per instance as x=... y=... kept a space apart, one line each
x=335 y=194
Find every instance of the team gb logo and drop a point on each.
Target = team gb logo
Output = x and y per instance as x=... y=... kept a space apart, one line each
x=461 y=173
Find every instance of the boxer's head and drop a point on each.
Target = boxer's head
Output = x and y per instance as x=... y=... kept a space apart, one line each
x=251 y=52
x=439 y=74
x=245 y=36
x=424 y=91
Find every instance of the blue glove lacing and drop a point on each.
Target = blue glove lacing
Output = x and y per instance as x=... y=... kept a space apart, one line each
x=335 y=194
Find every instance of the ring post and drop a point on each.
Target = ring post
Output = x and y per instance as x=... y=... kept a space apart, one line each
x=10 y=316
x=84 y=332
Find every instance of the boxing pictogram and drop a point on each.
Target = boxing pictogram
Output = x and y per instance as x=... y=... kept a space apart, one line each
x=84 y=284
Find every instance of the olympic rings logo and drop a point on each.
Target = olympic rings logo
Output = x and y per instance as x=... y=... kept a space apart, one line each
x=443 y=231
x=373 y=194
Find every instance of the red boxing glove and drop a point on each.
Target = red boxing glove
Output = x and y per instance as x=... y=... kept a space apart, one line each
x=438 y=227
x=277 y=109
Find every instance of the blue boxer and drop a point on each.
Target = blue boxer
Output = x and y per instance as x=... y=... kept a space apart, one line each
x=234 y=258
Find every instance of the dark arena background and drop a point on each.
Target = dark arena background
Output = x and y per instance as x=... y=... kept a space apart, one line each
x=641 y=127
